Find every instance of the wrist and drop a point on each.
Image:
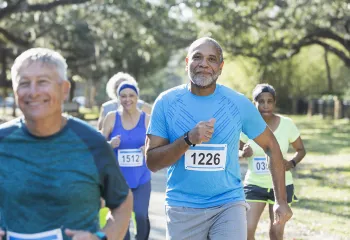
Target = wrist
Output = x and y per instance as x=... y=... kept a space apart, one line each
x=293 y=163
x=101 y=235
x=187 y=139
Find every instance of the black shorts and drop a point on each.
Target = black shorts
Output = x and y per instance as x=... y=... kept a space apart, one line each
x=255 y=193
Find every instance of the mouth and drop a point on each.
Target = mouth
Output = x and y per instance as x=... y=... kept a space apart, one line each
x=35 y=103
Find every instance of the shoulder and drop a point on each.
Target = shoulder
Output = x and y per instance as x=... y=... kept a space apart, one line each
x=109 y=103
x=232 y=94
x=286 y=120
x=84 y=130
x=8 y=127
x=172 y=93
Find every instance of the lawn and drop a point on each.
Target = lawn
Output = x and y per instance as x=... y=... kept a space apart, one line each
x=322 y=183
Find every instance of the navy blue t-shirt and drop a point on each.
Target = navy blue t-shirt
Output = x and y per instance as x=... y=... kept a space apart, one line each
x=56 y=181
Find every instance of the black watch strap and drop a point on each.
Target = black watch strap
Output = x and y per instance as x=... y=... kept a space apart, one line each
x=187 y=140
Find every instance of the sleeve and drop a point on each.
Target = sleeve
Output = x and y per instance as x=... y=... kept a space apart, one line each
x=114 y=188
x=252 y=123
x=243 y=138
x=157 y=124
x=293 y=131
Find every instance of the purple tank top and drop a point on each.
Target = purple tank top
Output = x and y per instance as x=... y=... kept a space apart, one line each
x=135 y=172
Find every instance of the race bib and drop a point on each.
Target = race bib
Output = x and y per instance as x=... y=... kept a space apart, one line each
x=130 y=157
x=206 y=157
x=48 y=235
x=260 y=165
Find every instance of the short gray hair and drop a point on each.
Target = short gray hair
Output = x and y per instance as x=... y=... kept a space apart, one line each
x=210 y=40
x=44 y=55
x=115 y=81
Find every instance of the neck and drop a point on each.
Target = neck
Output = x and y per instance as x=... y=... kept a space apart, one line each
x=202 y=91
x=45 y=127
x=269 y=119
x=130 y=112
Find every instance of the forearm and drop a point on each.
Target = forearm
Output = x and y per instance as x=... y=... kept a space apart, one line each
x=165 y=156
x=116 y=227
x=277 y=169
x=299 y=155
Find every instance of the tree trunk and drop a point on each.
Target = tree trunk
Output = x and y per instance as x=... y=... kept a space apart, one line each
x=328 y=68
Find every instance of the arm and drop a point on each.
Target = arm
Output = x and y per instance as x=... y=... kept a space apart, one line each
x=100 y=119
x=300 y=153
x=269 y=144
x=244 y=150
x=107 y=125
x=116 y=227
x=161 y=154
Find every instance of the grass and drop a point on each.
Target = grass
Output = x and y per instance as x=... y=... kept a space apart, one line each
x=322 y=182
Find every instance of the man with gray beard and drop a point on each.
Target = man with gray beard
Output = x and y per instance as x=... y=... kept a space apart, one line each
x=194 y=131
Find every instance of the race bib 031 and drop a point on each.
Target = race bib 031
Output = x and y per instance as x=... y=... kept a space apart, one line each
x=130 y=157
x=260 y=165
x=206 y=157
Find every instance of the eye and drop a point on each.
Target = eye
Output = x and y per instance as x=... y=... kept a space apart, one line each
x=212 y=59
x=42 y=81
x=23 y=84
x=196 y=57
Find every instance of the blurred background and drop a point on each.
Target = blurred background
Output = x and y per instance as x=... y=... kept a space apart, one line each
x=301 y=47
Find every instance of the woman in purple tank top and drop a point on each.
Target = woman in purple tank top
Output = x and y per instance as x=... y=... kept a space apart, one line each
x=125 y=130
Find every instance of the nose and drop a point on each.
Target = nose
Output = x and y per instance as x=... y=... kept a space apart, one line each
x=203 y=63
x=33 y=90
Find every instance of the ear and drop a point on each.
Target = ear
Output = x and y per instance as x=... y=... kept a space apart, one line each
x=186 y=59
x=221 y=65
x=65 y=89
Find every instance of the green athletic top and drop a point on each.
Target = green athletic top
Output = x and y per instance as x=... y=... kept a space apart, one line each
x=258 y=173
x=56 y=182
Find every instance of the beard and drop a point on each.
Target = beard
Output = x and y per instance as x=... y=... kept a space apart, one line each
x=201 y=80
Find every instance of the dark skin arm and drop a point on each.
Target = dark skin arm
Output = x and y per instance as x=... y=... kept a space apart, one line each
x=269 y=144
x=300 y=153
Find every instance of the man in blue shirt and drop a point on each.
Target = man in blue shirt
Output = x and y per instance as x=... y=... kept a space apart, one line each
x=54 y=169
x=194 y=131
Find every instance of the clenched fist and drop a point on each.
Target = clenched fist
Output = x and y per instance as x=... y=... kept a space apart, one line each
x=115 y=141
x=202 y=132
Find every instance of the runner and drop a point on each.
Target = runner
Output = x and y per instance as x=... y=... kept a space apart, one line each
x=194 y=131
x=111 y=90
x=258 y=182
x=54 y=168
x=126 y=131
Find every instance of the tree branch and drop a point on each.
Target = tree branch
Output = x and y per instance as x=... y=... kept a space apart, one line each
x=23 y=6
x=16 y=40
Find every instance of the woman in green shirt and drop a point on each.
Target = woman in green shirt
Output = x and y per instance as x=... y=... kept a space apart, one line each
x=258 y=181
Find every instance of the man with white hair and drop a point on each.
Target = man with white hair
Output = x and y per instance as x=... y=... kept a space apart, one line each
x=194 y=131
x=113 y=104
x=55 y=168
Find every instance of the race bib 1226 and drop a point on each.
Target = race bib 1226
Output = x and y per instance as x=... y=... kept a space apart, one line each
x=206 y=157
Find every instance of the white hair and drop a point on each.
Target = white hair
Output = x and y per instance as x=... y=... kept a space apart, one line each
x=132 y=83
x=114 y=82
x=43 y=55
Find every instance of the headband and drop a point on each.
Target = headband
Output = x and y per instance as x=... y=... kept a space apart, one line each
x=126 y=85
x=263 y=89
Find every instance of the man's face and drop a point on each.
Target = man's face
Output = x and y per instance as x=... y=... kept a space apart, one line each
x=203 y=64
x=40 y=91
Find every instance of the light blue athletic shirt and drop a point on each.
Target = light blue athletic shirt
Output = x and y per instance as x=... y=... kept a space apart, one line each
x=177 y=111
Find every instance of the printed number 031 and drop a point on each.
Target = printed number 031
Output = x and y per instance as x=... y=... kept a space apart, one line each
x=206 y=159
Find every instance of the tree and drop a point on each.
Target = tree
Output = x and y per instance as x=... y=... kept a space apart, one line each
x=273 y=30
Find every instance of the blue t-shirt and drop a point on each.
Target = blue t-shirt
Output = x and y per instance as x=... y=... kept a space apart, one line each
x=56 y=182
x=177 y=111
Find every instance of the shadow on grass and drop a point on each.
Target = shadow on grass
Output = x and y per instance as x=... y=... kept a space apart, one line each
x=336 y=177
x=330 y=207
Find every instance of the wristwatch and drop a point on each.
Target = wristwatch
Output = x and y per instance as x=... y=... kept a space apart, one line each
x=101 y=235
x=187 y=139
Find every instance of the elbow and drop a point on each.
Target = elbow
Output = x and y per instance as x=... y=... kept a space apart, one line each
x=151 y=166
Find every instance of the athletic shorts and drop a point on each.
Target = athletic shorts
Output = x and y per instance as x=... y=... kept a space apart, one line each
x=255 y=193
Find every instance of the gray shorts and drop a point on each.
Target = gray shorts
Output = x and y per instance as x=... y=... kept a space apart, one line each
x=225 y=222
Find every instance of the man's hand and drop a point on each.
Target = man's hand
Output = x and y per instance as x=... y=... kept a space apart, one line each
x=288 y=165
x=282 y=213
x=80 y=235
x=2 y=233
x=247 y=151
x=115 y=141
x=202 y=132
